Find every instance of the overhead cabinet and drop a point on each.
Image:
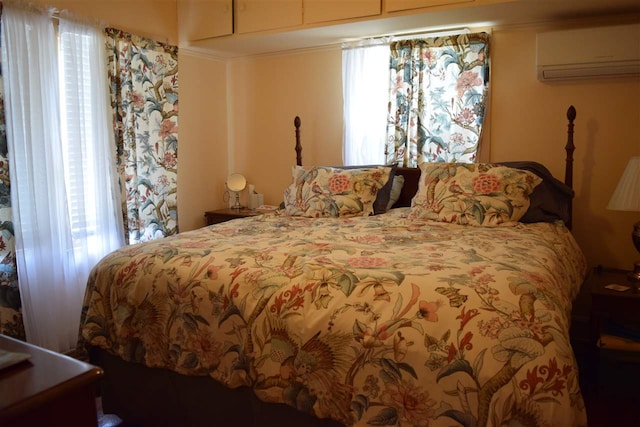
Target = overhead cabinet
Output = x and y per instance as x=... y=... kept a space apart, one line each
x=335 y=10
x=396 y=5
x=262 y=15
x=207 y=19
x=202 y=19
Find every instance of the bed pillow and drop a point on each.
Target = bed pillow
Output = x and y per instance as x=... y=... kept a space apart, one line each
x=550 y=200
x=396 y=190
x=384 y=194
x=472 y=193
x=334 y=192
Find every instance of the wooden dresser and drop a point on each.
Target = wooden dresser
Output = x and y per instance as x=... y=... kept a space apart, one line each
x=49 y=389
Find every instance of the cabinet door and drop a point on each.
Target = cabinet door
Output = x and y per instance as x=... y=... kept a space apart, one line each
x=334 y=10
x=202 y=19
x=394 y=5
x=260 y=15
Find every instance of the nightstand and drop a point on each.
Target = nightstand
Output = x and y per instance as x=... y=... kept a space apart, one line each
x=615 y=328
x=609 y=305
x=222 y=215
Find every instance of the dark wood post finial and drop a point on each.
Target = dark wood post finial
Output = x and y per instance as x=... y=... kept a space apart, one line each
x=296 y=123
x=571 y=114
x=569 y=149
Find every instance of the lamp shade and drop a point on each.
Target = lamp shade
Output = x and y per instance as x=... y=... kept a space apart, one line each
x=626 y=197
x=236 y=182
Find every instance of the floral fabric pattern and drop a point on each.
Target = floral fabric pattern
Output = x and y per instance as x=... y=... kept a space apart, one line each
x=438 y=98
x=11 y=323
x=334 y=192
x=475 y=194
x=144 y=90
x=145 y=106
x=373 y=320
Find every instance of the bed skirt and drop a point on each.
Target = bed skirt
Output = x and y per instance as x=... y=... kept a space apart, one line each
x=163 y=398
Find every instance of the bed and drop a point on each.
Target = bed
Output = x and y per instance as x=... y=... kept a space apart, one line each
x=442 y=310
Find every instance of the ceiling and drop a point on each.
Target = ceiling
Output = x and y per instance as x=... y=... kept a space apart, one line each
x=515 y=12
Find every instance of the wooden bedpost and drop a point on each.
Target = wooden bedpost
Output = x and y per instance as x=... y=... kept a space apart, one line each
x=296 y=123
x=569 y=148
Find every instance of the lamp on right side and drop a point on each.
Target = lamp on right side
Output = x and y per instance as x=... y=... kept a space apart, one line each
x=626 y=197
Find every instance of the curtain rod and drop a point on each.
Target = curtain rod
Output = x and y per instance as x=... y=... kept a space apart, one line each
x=387 y=39
x=443 y=33
x=57 y=14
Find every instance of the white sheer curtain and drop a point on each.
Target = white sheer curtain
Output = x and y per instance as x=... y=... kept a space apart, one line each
x=365 y=89
x=53 y=253
x=88 y=144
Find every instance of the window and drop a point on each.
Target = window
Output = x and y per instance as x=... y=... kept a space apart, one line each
x=63 y=192
x=365 y=86
x=436 y=94
x=88 y=148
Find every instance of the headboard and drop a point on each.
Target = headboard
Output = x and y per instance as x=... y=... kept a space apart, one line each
x=412 y=175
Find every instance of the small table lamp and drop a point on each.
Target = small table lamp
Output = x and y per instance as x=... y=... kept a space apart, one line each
x=236 y=183
x=627 y=198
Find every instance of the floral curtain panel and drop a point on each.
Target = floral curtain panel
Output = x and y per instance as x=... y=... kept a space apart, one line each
x=144 y=87
x=438 y=97
x=10 y=306
x=144 y=80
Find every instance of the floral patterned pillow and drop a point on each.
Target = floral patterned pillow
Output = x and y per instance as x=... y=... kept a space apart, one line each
x=332 y=192
x=472 y=193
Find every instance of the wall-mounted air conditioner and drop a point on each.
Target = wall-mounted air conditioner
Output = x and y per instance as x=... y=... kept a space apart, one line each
x=589 y=53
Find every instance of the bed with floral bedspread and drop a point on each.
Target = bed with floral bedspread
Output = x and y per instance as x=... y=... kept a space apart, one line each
x=372 y=320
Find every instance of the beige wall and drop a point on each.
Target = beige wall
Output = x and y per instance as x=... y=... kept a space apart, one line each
x=528 y=121
x=202 y=87
x=238 y=117
x=156 y=19
x=202 y=150
x=266 y=95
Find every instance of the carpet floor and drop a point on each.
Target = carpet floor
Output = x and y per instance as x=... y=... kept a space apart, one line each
x=107 y=420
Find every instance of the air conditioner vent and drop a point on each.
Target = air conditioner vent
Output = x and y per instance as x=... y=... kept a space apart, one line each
x=589 y=53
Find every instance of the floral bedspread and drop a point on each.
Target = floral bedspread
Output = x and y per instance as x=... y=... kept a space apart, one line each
x=371 y=321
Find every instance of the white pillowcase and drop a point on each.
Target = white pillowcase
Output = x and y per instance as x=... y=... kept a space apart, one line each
x=396 y=189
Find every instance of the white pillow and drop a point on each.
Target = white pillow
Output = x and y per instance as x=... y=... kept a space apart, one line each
x=396 y=189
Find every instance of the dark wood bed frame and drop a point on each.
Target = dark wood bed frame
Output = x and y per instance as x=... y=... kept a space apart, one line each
x=412 y=175
x=150 y=397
